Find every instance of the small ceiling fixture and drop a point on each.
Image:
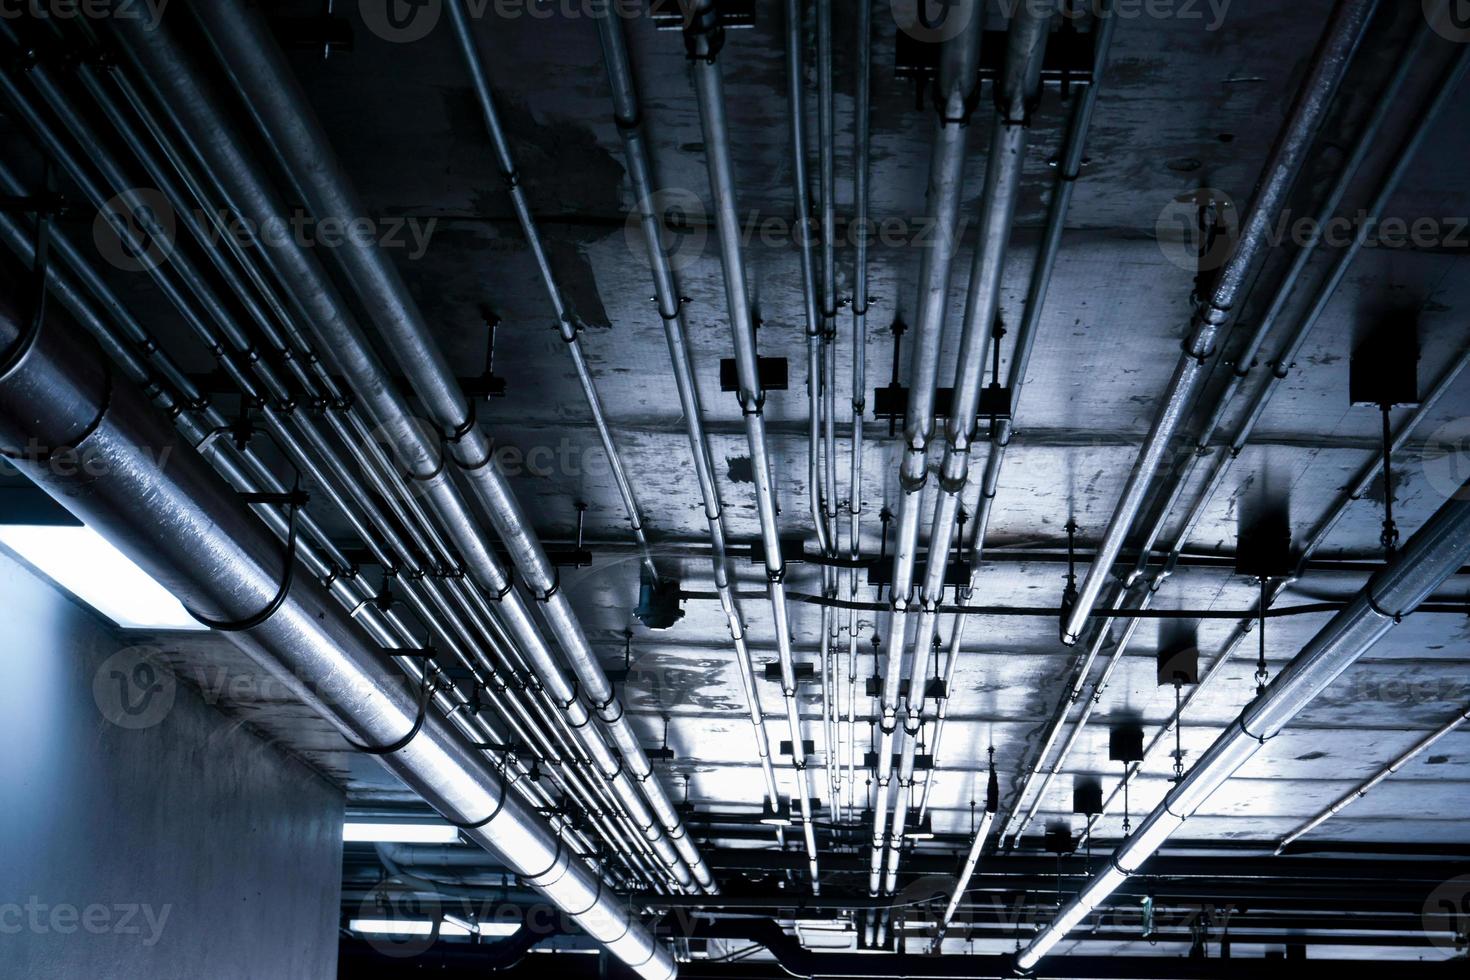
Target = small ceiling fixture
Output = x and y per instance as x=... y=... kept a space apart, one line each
x=779 y=816
x=923 y=830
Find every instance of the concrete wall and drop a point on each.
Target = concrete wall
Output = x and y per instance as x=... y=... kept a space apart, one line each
x=163 y=843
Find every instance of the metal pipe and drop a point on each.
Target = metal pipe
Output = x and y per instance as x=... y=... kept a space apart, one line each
x=704 y=37
x=1016 y=97
x=828 y=679
x=568 y=325
x=862 y=103
x=1291 y=347
x=242 y=40
x=1434 y=553
x=1069 y=171
x=796 y=118
x=1130 y=606
x=967 y=872
x=826 y=138
x=956 y=95
x=828 y=182
x=1357 y=489
x=188 y=529
x=829 y=303
x=1141 y=598
x=214 y=140
x=1214 y=310
x=535 y=732
x=316 y=550
x=820 y=491
x=828 y=190
x=1362 y=789
x=1367 y=140
x=1282 y=363
x=288 y=427
x=1448 y=606
x=629 y=121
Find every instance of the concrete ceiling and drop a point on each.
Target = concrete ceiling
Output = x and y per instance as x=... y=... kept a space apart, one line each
x=1185 y=104
x=1182 y=107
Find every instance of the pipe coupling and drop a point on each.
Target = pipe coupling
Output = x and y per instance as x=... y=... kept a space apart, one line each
x=704 y=35
x=911 y=484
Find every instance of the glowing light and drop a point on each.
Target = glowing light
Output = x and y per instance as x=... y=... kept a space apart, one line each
x=399 y=833
x=404 y=927
x=88 y=566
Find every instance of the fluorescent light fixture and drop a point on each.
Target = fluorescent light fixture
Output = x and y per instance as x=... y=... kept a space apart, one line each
x=399 y=833
x=87 y=565
x=489 y=930
x=404 y=927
